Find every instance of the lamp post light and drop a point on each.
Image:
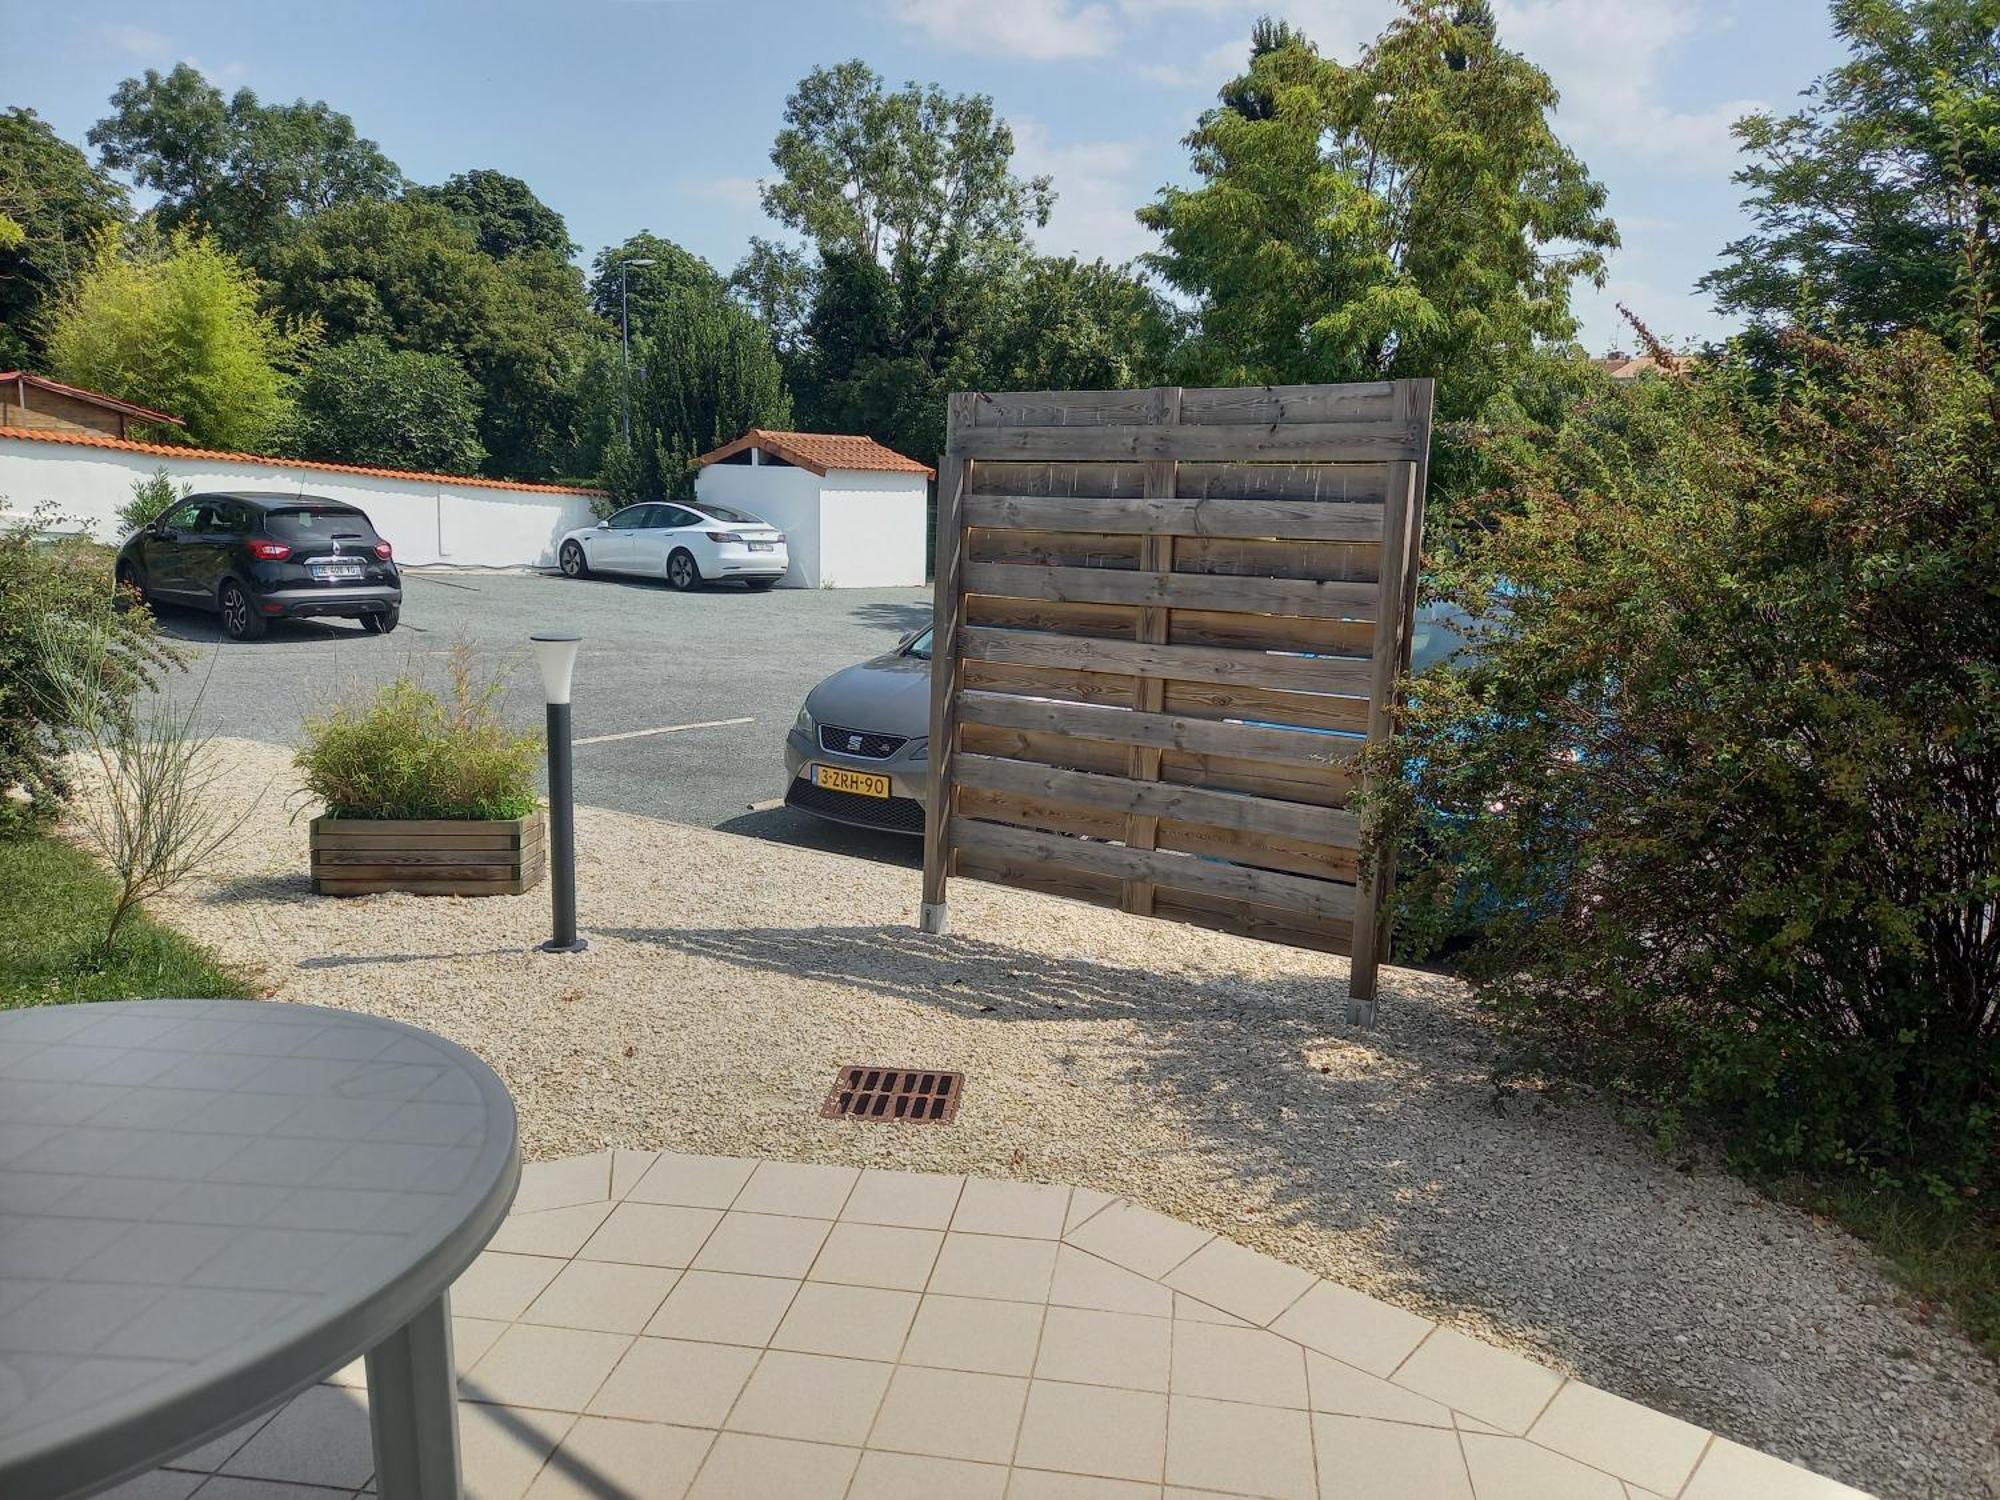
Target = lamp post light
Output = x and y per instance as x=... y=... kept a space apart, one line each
x=555 y=654
x=625 y=337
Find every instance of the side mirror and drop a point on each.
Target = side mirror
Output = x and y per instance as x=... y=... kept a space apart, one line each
x=908 y=636
x=604 y=525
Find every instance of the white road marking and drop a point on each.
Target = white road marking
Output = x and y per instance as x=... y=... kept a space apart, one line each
x=640 y=734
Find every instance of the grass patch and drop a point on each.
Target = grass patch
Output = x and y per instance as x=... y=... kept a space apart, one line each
x=54 y=904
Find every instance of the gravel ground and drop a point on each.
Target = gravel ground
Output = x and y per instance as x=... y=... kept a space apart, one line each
x=1210 y=1077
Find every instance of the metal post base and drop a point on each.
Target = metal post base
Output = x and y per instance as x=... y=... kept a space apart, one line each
x=552 y=946
x=1361 y=1012
x=933 y=920
x=413 y=1409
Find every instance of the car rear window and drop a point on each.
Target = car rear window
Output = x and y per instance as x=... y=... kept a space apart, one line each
x=732 y=517
x=308 y=525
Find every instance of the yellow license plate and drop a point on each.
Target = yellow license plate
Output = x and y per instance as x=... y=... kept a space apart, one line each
x=861 y=783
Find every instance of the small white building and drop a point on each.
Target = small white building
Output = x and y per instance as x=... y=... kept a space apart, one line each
x=853 y=512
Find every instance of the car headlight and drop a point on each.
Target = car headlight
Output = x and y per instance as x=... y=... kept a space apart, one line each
x=804 y=723
x=922 y=752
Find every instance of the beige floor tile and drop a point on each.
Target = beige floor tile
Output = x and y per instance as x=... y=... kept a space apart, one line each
x=746 y=1467
x=1083 y=1204
x=1246 y=1450
x=762 y=1245
x=692 y=1181
x=1340 y=1388
x=1105 y=1348
x=720 y=1307
x=627 y=1167
x=1729 y=1471
x=651 y=1234
x=1082 y=1280
x=1238 y=1364
x=1353 y=1327
x=909 y=1476
x=470 y=1339
x=987 y=1265
x=858 y=1322
x=1491 y=1384
x=995 y=1205
x=555 y=1231
x=320 y=1436
x=1040 y=1484
x=497 y=1285
x=951 y=1414
x=501 y=1448
x=908 y=1200
x=1255 y=1287
x=556 y=1369
x=878 y=1255
x=1193 y=1310
x=603 y=1296
x=268 y=1489
x=668 y=1380
x=974 y=1333
x=1138 y=1239
x=1505 y=1468
x=629 y=1460
x=562 y=1183
x=214 y=1453
x=1362 y=1459
x=812 y=1397
x=807 y=1189
x=1094 y=1430
x=1608 y=1432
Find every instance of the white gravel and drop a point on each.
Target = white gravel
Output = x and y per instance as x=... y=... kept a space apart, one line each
x=1210 y=1077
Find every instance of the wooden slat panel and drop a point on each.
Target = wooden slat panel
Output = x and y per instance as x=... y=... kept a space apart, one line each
x=1046 y=749
x=1242 y=558
x=1093 y=721
x=1248 y=919
x=1028 y=875
x=1264 y=851
x=1037 y=812
x=1226 y=810
x=1332 y=521
x=1307 y=442
x=1328 y=786
x=409 y=858
x=1101 y=481
x=1309 y=598
x=1212 y=627
x=1116 y=622
x=1070 y=549
x=1319 y=483
x=1047 y=682
x=498 y=841
x=1324 y=674
x=1266 y=405
x=1200 y=700
x=1066 y=408
x=1326 y=899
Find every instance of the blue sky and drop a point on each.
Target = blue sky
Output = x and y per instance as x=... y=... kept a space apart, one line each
x=658 y=114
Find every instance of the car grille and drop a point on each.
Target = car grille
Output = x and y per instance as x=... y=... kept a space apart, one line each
x=859 y=742
x=896 y=814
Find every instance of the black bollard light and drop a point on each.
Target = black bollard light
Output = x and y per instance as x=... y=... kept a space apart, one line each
x=555 y=654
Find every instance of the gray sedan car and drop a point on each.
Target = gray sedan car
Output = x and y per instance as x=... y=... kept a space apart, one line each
x=859 y=751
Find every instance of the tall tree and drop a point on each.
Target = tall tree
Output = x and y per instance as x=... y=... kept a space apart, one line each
x=503 y=213
x=674 y=271
x=363 y=402
x=56 y=203
x=1411 y=214
x=1876 y=207
x=709 y=374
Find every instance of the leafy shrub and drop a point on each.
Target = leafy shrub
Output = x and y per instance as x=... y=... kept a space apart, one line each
x=411 y=752
x=50 y=582
x=151 y=498
x=363 y=402
x=1723 y=795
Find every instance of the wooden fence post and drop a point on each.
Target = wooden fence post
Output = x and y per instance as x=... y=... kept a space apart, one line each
x=953 y=472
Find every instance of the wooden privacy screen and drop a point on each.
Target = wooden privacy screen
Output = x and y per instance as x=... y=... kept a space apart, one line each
x=1166 y=623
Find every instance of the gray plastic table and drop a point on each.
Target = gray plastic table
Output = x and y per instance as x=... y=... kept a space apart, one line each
x=208 y=1205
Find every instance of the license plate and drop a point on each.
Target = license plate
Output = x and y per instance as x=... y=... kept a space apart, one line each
x=861 y=783
x=334 y=570
x=762 y=546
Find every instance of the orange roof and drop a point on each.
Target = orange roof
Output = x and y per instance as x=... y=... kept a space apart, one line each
x=820 y=451
x=175 y=450
x=95 y=398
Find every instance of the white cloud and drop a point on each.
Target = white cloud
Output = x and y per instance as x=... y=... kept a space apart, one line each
x=737 y=192
x=1678 y=317
x=135 y=41
x=1097 y=188
x=1041 y=30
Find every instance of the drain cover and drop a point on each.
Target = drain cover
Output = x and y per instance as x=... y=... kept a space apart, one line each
x=917 y=1094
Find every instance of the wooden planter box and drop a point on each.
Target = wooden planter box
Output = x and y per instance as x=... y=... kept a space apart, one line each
x=430 y=857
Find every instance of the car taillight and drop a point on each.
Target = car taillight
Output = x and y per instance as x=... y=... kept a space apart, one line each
x=384 y=551
x=270 y=551
x=724 y=536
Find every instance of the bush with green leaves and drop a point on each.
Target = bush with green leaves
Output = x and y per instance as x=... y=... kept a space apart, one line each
x=363 y=402
x=411 y=751
x=1721 y=798
x=151 y=498
x=48 y=580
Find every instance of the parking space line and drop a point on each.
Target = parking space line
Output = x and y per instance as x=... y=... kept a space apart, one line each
x=640 y=734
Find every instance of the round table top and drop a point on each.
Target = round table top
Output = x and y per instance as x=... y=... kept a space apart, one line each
x=206 y=1205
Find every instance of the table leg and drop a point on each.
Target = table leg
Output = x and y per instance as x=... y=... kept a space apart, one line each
x=413 y=1409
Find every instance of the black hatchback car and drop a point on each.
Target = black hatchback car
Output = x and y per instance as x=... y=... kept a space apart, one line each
x=254 y=558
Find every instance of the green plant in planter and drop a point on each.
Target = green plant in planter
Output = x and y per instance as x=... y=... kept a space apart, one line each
x=413 y=752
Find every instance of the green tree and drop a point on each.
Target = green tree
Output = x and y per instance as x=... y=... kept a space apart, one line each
x=1411 y=214
x=1877 y=206
x=503 y=213
x=176 y=325
x=55 y=203
x=706 y=373
x=674 y=271
x=364 y=402
x=1062 y=324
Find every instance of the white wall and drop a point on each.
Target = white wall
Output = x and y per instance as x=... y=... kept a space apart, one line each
x=787 y=497
x=427 y=521
x=871 y=530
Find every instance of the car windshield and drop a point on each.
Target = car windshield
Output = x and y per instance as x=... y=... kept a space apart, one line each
x=732 y=516
x=920 y=647
x=318 y=525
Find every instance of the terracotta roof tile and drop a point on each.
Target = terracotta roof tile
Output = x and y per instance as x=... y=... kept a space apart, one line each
x=820 y=451
x=176 y=450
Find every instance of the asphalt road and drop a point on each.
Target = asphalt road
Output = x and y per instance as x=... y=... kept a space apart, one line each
x=651 y=660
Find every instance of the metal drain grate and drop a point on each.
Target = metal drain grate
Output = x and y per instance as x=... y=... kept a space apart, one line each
x=914 y=1094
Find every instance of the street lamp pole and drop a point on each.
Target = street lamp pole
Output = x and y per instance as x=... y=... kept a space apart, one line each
x=555 y=654
x=625 y=338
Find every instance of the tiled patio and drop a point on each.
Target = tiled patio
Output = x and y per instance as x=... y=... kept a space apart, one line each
x=660 y=1326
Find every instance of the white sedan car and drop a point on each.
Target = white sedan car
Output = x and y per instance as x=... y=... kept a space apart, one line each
x=680 y=542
